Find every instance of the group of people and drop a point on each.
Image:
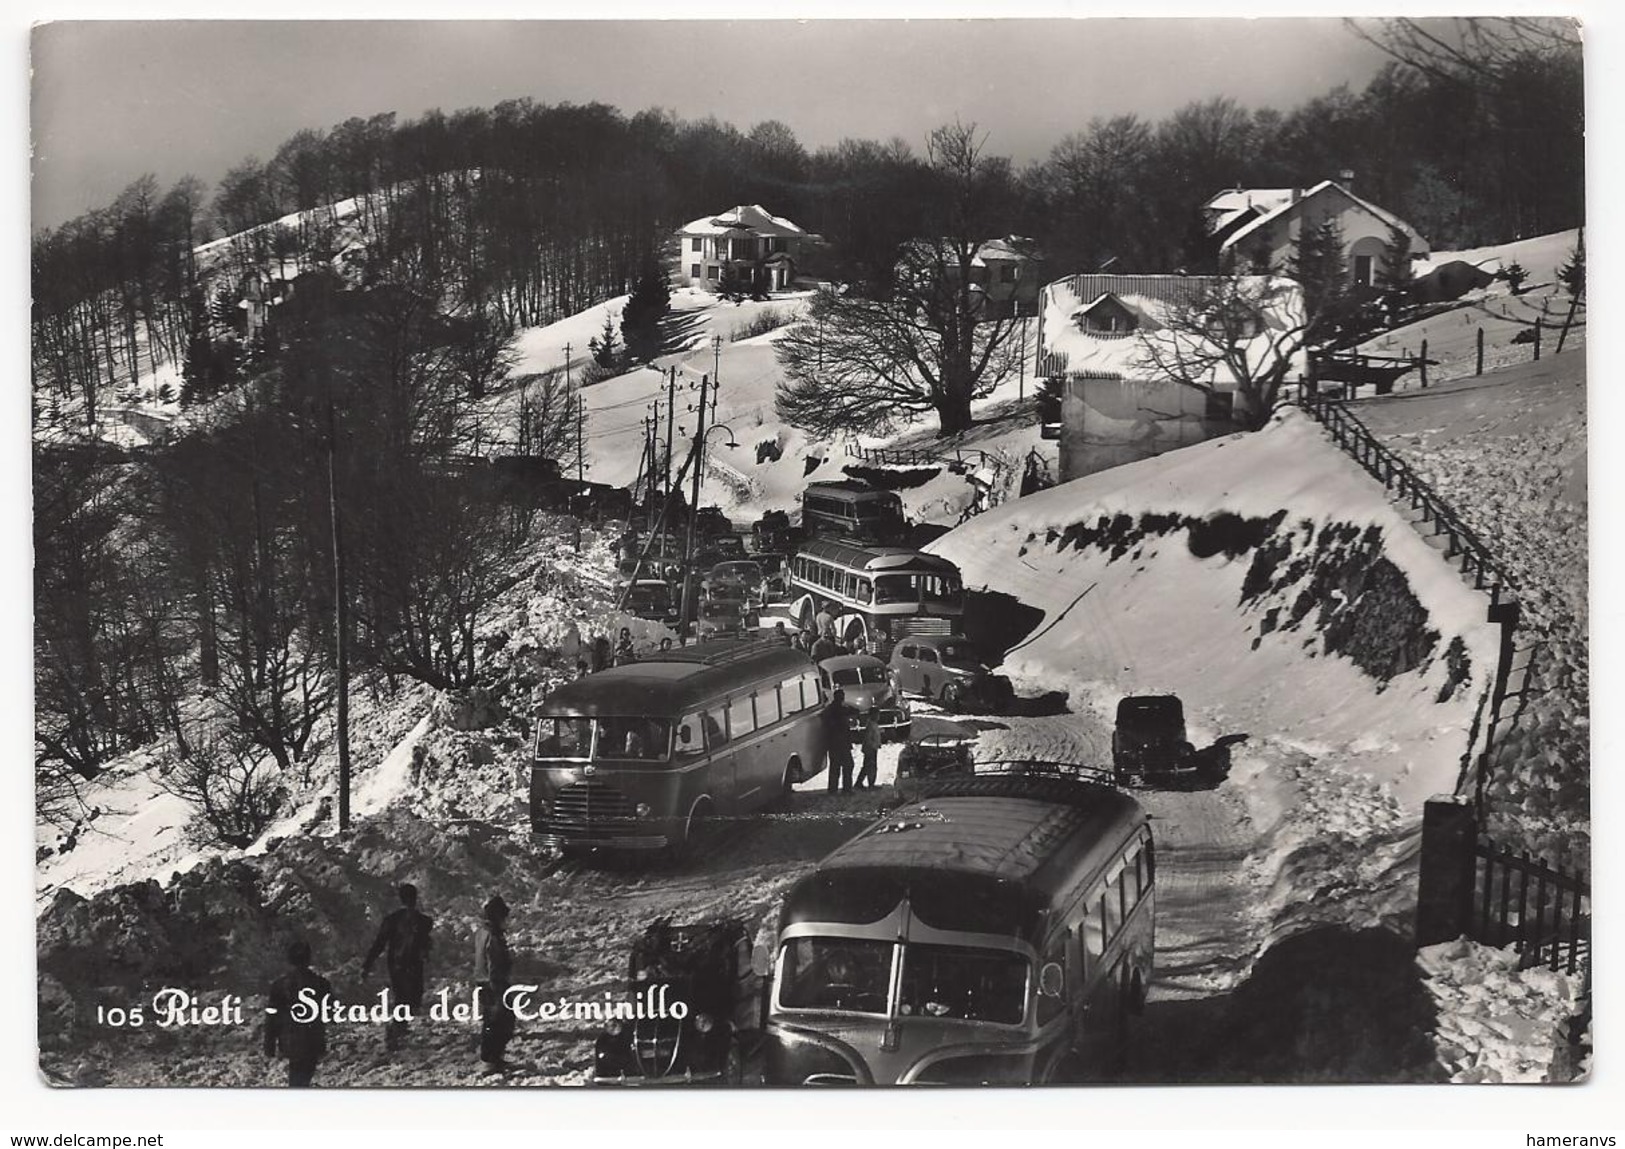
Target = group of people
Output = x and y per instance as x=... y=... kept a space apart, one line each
x=837 y=719
x=404 y=941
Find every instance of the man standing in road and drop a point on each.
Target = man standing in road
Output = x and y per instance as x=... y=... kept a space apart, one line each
x=403 y=939
x=824 y=622
x=300 y=1036
x=839 y=736
x=493 y=965
x=871 y=750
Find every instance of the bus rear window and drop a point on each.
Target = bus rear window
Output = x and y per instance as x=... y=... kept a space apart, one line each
x=848 y=974
x=964 y=983
x=564 y=738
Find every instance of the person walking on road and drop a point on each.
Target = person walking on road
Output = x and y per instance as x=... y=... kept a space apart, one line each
x=403 y=940
x=837 y=733
x=292 y=1028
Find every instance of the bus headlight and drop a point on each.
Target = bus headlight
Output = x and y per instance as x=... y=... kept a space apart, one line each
x=643 y=809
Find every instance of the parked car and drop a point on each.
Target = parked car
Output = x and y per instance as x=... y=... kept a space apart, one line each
x=725 y=613
x=867 y=685
x=737 y=575
x=940 y=754
x=707 y=967
x=945 y=669
x=1149 y=738
x=651 y=598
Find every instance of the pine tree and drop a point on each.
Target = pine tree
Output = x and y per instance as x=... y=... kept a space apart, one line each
x=1515 y=275
x=605 y=346
x=648 y=305
x=1572 y=275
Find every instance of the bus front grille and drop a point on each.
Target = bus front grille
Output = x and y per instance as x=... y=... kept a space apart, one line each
x=918 y=625
x=584 y=809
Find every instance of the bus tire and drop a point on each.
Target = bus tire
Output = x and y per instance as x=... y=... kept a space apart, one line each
x=856 y=631
x=695 y=831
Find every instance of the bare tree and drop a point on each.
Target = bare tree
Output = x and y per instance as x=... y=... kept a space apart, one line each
x=1249 y=331
x=933 y=344
x=234 y=789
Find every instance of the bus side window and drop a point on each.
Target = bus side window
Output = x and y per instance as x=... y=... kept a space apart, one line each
x=1150 y=856
x=716 y=727
x=741 y=721
x=866 y=590
x=790 y=696
x=767 y=705
x=1132 y=884
x=810 y=694
x=1094 y=940
x=690 y=736
x=1112 y=901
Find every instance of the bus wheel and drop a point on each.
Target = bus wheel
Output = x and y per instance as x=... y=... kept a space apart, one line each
x=804 y=616
x=696 y=831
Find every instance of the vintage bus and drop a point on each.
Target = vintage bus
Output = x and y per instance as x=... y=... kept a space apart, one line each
x=845 y=509
x=1000 y=931
x=877 y=594
x=638 y=757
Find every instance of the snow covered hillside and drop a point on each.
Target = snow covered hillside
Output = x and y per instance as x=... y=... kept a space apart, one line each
x=1452 y=335
x=1266 y=581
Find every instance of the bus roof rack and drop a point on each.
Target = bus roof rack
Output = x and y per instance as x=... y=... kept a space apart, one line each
x=718 y=652
x=1085 y=787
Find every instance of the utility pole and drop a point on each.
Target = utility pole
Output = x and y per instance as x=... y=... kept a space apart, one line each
x=671 y=406
x=581 y=443
x=693 y=514
x=341 y=616
x=1021 y=381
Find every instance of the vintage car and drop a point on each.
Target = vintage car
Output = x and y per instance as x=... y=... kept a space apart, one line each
x=705 y=969
x=724 y=613
x=744 y=576
x=867 y=686
x=651 y=598
x=1149 y=738
x=945 y=669
x=945 y=750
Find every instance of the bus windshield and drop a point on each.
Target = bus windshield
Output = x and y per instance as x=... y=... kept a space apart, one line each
x=635 y=739
x=962 y=983
x=895 y=588
x=848 y=974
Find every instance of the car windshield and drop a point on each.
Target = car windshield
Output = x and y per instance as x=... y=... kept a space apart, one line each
x=742 y=572
x=956 y=652
x=847 y=974
x=659 y=596
x=960 y=982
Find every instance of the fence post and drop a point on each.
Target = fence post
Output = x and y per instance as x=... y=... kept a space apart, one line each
x=1444 y=897
x=1480 y=369
x=1424 y=363
x=1537 y=337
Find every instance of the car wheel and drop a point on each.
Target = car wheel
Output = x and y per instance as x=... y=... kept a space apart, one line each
x=953 y=696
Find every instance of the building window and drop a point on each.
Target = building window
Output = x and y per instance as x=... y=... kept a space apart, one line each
x=695 y=244
x=711 y=272
x=693 y=271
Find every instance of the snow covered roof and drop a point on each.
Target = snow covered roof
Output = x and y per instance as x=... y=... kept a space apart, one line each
x=1418 y=244
x=752 y=219
x=1154 y=298
x=1227 y=207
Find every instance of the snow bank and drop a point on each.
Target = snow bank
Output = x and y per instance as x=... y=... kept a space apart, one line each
x=1540 y=255
x=1497 y=1023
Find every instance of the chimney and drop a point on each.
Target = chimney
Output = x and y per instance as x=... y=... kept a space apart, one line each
x=1346 y=178
x=1297 y=194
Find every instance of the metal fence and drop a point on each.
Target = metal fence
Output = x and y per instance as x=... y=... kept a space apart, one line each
x=1462 y=544
x=1543 y=911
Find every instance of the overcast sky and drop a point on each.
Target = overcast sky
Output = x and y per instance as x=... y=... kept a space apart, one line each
x=114 y=100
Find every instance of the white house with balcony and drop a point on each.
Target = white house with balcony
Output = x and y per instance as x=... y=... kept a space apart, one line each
x=759 y=248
